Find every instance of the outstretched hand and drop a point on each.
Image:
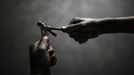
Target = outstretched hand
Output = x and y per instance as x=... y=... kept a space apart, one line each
x=82 y=29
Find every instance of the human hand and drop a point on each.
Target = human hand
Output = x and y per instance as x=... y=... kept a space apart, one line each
x=81 y=29
x=42 y=56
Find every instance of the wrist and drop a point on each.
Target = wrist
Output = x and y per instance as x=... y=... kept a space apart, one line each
x=109 y=25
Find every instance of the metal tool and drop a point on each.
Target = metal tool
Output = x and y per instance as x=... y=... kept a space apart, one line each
x=46 y=28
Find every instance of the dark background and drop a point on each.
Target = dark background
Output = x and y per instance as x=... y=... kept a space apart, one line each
x=109 y=54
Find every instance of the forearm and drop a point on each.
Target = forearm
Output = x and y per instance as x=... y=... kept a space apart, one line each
x=117 y=25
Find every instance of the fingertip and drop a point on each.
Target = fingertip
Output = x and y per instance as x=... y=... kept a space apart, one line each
x=46 y=38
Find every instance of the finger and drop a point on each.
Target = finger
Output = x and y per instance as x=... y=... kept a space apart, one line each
x=33 y=47
x=50 y=51
x=76 y=20
x=52 y=56
x=45 y=39
x=72 y=27
x=44 y=42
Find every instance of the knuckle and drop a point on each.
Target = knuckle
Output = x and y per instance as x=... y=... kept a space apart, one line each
x=42 y=47
x=50 y=47
x=32 y=46
x=76 y=18
x=36 y=43
x=51 y=52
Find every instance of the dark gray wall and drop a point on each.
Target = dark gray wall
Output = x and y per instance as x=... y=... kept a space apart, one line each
x=110 y=54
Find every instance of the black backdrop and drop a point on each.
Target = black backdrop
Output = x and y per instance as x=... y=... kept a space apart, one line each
x=109 y=54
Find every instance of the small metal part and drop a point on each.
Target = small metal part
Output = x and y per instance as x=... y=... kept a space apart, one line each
x=47 y=28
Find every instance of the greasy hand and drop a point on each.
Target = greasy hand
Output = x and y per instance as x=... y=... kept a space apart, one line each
x=81 y=29
x=42 y=55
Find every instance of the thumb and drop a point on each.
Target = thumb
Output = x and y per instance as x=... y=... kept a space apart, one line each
x=72 y=27
x=76 y=20
x=44 y=42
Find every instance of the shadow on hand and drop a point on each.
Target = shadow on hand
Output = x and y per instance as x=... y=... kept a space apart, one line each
x=81 y=37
